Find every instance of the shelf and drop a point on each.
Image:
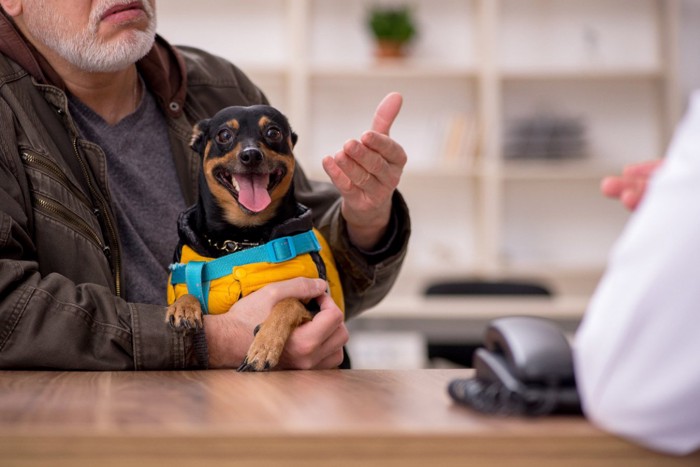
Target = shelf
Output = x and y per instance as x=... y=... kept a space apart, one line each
x=554 y=170
x=470 y=308
x=444 y=172
x=580 y=74
x=568 y=275
x=525 y=171
x=413 y=69
x=407 y=300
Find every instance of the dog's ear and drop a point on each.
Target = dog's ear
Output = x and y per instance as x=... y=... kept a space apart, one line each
x=199 y=136
x=294 y=139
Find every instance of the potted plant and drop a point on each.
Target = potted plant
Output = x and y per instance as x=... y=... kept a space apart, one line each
x=393 y=28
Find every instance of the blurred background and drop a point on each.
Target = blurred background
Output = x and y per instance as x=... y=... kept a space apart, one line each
x=513 y=112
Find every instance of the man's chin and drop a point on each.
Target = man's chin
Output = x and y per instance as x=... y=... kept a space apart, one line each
x=115 y=55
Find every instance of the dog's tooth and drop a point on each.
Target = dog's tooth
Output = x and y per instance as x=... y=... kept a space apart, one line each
x=234 y=183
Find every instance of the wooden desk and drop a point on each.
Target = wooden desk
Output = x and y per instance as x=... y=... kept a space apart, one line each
x=330 y=418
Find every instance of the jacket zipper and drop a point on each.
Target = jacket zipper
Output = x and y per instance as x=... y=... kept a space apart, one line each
x=113 y=239
x=46 y=165
x=55 y=209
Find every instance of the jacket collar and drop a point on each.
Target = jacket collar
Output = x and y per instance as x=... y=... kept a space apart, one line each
x=163 y=68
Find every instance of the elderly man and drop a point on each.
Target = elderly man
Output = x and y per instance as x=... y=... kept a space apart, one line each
x=95 y=167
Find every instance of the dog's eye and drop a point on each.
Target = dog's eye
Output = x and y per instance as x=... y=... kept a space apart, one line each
x=224 y=136
x=273 y=134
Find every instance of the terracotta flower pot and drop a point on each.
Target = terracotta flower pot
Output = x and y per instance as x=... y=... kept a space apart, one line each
x=389 y=49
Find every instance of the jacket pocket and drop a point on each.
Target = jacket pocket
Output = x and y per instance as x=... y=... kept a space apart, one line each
x=50 y=168
x=55 y=210
x=54 y=204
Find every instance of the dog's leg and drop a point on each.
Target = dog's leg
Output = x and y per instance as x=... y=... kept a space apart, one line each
x=265 y=351
x=185 y=312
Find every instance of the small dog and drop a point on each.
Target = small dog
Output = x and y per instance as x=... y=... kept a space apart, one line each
x=247 y=229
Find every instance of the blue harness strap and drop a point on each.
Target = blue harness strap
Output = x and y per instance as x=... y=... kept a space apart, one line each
x=195 y=285
x=197 y=275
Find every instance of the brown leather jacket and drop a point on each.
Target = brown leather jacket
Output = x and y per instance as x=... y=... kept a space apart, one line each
x=60 y=271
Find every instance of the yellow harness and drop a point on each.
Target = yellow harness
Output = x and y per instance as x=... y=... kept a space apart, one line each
x=221 y=282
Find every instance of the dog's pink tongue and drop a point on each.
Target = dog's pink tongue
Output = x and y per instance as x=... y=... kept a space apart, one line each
x=252 y=191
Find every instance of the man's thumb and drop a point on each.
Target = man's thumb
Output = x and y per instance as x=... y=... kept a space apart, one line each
x=386 y=113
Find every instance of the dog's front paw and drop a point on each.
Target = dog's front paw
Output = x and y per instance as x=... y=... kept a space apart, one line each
x=263 y=354
x=185 y=312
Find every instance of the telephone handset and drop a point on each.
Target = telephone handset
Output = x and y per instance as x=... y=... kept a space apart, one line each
x=525 y=367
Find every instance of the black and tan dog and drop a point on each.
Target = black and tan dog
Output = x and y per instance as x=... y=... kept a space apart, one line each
x=247 y=229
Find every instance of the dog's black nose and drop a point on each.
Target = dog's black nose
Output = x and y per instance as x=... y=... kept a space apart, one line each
x=250 y=156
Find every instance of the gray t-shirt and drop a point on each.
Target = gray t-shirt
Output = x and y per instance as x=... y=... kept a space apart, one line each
x=145 y=191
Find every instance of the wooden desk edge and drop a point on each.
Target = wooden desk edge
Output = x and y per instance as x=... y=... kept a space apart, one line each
x=313 y=449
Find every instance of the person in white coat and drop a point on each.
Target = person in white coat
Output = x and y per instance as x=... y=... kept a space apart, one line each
x=637 y=350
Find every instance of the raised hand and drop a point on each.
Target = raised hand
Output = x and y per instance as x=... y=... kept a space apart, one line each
x=366 y=172
x=630 y=186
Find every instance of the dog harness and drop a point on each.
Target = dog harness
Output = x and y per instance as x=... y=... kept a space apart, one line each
x=221 y=282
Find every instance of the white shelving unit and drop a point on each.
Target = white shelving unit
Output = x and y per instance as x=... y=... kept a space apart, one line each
x=489 y=63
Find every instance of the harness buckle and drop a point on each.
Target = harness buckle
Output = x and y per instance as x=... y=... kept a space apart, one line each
x=280 y=250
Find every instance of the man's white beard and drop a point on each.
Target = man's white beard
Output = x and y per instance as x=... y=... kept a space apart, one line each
x=84 y=49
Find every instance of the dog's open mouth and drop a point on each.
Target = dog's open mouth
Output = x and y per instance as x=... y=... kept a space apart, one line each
x=251 y=190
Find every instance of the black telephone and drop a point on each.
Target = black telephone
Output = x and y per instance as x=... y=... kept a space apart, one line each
x=525 y=367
